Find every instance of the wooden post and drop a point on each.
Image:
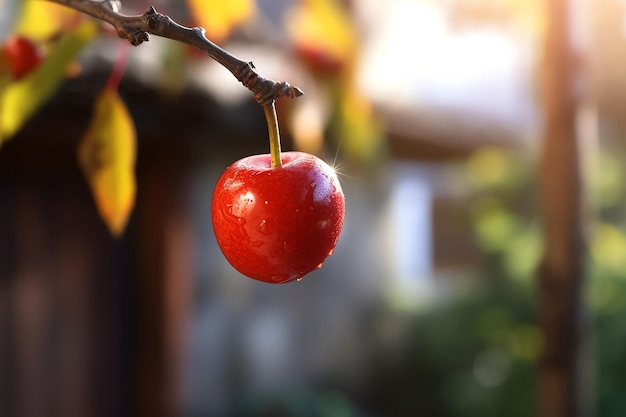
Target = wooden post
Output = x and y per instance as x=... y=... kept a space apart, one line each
x=561 y=276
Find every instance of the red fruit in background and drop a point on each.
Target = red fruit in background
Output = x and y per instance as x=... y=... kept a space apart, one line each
x=278 y=224
x=21 y=54
x=319 y=61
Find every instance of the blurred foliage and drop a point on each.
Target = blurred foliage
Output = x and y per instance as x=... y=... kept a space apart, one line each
x=606 y=288
x=20 y=99
x=60 y=34
x=474 y=351
x=357 y=129
x=325 y=38
x=43 y=21
x=219 y=18
x=478 y=351
x=322 y=35
x=503 y=210
x=300 y=402
x=107 y=156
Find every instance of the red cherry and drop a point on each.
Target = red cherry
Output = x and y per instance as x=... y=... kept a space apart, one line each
x=320 y=61
x=278 y=224
x=22 y=55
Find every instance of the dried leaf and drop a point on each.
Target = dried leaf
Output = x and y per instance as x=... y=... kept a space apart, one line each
x=219 y=17
x=107 y=157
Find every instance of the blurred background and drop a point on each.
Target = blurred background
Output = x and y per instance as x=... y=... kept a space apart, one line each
x=450 y=136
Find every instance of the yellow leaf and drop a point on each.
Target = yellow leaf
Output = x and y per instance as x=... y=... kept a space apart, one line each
x=358 y=127
x=219 y=17
x=324 y=28
x=42 y=20
x=107 y=155
x=22 y=98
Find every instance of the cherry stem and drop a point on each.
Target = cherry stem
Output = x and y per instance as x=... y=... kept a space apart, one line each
x=272 y=125
x=119 y=66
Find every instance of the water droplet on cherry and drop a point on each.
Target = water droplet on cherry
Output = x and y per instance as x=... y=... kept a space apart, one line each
x=288 y=247
x=323 y=224
x=263 y=227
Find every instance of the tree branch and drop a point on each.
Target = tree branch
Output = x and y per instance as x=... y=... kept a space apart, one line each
x=137 y=29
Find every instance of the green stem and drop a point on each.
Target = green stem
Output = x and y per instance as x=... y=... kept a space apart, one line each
x=272 y=125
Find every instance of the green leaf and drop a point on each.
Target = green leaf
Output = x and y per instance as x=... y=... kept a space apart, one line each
x=21 y=99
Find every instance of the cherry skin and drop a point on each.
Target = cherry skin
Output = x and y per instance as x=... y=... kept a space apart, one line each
x=278 y=224
x=22 y=55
